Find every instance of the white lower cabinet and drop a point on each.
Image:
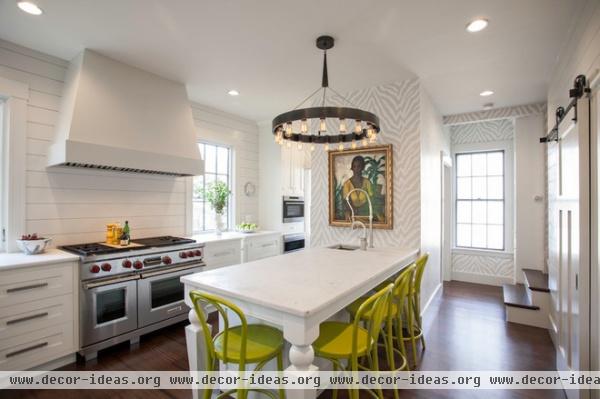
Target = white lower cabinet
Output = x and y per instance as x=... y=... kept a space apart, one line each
x=262 y=246
x=222 y=253
x=38 y=315
x=251 y=247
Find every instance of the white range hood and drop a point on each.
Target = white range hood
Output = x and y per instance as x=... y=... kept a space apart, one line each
x=117 y=117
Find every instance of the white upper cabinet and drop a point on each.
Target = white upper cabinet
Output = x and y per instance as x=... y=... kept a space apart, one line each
x=292 y=170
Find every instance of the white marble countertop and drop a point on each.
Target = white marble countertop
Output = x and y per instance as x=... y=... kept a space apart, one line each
x=303 y=282
x=229 y=235
x=50 y=256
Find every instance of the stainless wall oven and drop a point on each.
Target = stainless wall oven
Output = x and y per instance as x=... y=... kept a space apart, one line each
x=293 y=209
x=293 y=242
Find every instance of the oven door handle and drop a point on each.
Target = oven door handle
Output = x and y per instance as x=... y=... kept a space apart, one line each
x=95 y=284
x=173 y=269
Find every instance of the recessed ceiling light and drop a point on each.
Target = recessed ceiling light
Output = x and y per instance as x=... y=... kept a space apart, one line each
x=29 y=7
x=233 y=93
x=486 y=93
x=477 y=25
x=488 y=106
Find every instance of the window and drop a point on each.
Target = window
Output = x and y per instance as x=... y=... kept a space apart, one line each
x=480 y=207
x=217 y=166
x=2 y=179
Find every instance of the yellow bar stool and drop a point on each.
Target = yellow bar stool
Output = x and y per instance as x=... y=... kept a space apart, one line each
x=243 y=344
x=340 y=341
x=413 y=323
x=398 y=311
x=421 y=263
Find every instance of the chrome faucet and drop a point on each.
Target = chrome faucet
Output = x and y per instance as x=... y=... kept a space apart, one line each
x=363 y=239
x=370 y=213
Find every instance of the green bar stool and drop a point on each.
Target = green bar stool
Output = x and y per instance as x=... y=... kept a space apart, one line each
x=340 y=341
x=398 y=311
x=416 y=295
x=243 y=344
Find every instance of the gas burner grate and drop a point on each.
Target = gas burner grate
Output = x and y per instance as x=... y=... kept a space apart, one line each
x=92 y=249
x=163 y=241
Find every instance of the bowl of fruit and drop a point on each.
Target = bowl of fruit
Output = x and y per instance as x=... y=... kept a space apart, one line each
x=31 y=244
x=246 y=227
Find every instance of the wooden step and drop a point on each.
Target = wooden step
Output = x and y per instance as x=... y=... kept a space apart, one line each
x=536 y=280
x=516 y=295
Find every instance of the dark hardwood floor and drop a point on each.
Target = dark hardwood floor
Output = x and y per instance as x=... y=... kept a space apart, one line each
x=467 y=332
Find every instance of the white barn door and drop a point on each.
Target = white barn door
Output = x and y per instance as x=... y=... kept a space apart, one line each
x=569 y=241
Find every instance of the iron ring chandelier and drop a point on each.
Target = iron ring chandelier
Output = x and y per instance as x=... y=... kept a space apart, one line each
x=355 y=125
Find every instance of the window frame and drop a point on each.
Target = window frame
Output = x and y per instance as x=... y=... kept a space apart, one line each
x=3 y=188
x=487 y=200
x=508 y=200
x=15 y=96
x=230 y=181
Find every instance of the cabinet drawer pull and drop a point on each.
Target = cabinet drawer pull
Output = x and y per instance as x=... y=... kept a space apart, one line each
x=27 y=318
x=26 y=287
x=268 y=244
x=222 y=253
x=20 y=351
x=175 y=309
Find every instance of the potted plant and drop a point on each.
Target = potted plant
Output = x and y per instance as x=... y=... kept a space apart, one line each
x=217 y=195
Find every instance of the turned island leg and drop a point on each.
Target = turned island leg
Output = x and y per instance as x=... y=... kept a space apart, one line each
x=301 y=335
x=195 y=347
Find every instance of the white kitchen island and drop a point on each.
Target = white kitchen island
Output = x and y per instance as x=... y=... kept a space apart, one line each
x=296 y=291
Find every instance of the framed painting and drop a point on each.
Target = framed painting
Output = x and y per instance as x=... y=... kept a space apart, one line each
x=370 y=170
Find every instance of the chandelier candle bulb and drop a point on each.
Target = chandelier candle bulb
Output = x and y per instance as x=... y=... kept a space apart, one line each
x=341 y=147
x=289 y=144
x=303 y=126
x=288 y=129
x=300 y=145
x=342 y=126
x=326 y=147
x=322 y=126
x=358 y=127
x=365 y=143
x=353 y=145
x=312 y=147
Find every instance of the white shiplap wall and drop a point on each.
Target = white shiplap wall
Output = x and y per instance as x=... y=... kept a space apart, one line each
x=73 y=205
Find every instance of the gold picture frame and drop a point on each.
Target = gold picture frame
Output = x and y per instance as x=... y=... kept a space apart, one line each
x=371 y=168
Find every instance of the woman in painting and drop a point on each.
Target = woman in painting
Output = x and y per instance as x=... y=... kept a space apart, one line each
x=358 y=199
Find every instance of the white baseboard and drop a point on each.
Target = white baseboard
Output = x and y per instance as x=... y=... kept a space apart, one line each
x=486 y=279
x=436 y=292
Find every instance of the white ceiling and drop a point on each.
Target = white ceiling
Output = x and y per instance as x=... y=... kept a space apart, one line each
x=265 y=48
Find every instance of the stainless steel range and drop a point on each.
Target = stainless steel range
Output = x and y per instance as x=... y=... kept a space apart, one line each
x=128 y=292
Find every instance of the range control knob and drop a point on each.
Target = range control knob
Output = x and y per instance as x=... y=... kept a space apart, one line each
x=95 y=269
x=198 y=252
x=127 y=263
x=166 y=260
x=106 y=267
x=190 y=254
x=183 y=255
x=138 y=265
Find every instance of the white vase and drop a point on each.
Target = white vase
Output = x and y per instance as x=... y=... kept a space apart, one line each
x=219 y=223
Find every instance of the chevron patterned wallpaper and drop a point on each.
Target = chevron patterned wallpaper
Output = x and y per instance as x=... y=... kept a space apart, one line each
x=498 y=267
x=482 y=132
x=483 y=264
x=497 y=113
x=398 y=107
